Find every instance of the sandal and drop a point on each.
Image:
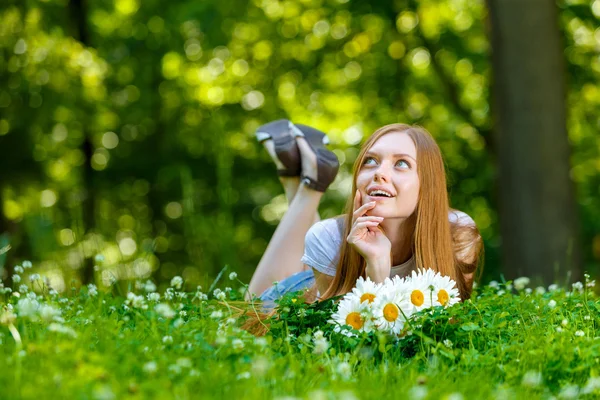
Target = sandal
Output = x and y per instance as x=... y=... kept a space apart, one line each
x=285 y=145
x=327 y=162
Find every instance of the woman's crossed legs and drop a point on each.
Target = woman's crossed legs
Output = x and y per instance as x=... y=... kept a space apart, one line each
x=286 y=247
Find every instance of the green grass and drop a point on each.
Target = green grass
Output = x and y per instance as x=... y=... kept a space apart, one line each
x=503 y=344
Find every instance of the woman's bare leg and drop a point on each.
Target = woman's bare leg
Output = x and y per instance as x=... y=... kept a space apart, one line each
x=286 y=247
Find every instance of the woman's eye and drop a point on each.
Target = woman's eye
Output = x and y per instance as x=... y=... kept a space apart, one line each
x=400 y=162
x=367 y=159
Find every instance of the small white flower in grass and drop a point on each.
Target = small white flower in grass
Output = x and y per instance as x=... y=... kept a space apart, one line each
x=521 y=283
x=540 y=290
x=24 y=289
x=237 y=344
x=150 y=367
x=578 y=286
x=233 y=276
x=243 y=375
x=455 y=396
x=321 y=343
x=216 y=314
x=27 y=264
x=219 y=294
x=552 y=303
x=178 y=322
x=388 y=311
x=28 y=308
x=579 y=333
x=55 y=327
x=169 y=294
x=164 y=310
x=149 y=286
x=167 y=339
x=417 y=392
x=569 y=392
x=564 y=322
x=260 y=366
x=16 y=278
x=448 y=343
x=501 y=292
x=528 y=290
x=49 y=313
x=352 y=312
x=591 y=283
x=92 y=290
x=592 y=385
x=18 y=269
x=494 y=284
x=344 y=370
x=553 y=288
x=587 y=317
x=177 y=282
x=559 y=329
x=366 y=290
x=261 y=341
x=154 y=296
x=532 y=379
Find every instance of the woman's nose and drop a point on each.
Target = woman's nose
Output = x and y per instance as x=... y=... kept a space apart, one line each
x=383 y=172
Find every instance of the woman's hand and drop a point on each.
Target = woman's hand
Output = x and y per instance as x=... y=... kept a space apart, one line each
x=367 y=237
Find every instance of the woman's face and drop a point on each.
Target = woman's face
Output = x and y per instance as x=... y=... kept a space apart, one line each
x=390 y=165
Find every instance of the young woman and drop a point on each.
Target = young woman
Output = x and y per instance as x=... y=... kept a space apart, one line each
x=397 y=220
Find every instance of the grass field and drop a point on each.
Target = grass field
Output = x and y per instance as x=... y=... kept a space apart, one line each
x=509 y=341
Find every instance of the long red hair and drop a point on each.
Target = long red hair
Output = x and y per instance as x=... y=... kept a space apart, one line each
x=446 y=247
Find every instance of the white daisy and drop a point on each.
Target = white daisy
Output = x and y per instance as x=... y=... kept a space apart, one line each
x=352 y=312
x=366 y=290
x=420 y=289
x=390 y=309
x=444 y=291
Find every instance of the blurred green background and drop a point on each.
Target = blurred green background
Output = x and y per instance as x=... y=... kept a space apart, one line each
x=127 y=127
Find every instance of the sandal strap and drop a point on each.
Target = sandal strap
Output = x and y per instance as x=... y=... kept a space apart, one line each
x=287 y=172
x=315 y=185
x=327 y=168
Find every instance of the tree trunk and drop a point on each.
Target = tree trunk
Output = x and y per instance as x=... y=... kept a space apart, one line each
x=77 y=9
x=538 y=218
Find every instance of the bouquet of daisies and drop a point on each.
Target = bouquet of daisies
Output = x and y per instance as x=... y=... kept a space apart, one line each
x=387 y=306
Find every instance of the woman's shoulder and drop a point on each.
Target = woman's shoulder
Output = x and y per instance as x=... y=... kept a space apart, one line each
x=460 y=218
x=329 y=229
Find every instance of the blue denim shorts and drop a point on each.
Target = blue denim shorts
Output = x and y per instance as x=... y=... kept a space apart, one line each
x=299 y=281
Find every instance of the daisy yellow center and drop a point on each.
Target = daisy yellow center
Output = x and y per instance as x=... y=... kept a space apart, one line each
x=390 y=312
x=417 y=298
x=354 y=320
x=443 y=297
x=367 y=296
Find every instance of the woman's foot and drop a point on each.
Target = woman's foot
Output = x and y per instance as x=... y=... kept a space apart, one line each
x=319 y=165
x=281 y=145
x=309 y=159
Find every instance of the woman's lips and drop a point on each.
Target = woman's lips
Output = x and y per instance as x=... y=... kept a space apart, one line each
x=377 y=198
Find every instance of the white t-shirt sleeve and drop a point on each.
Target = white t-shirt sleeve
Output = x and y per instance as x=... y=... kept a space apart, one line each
x=321 y=248
x=461 y=218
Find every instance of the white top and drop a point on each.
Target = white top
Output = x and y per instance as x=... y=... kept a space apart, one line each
x=323 y=241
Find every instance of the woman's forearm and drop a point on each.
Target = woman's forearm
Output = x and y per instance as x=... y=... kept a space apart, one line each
x=379 y=269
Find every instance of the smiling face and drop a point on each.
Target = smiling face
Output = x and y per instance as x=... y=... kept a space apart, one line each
x=390 y=165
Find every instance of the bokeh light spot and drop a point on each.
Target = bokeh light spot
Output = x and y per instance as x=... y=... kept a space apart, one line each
x=110 y=140
x=173 y=210
x=66 y=237
x=127 y=246
x=47 y=198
